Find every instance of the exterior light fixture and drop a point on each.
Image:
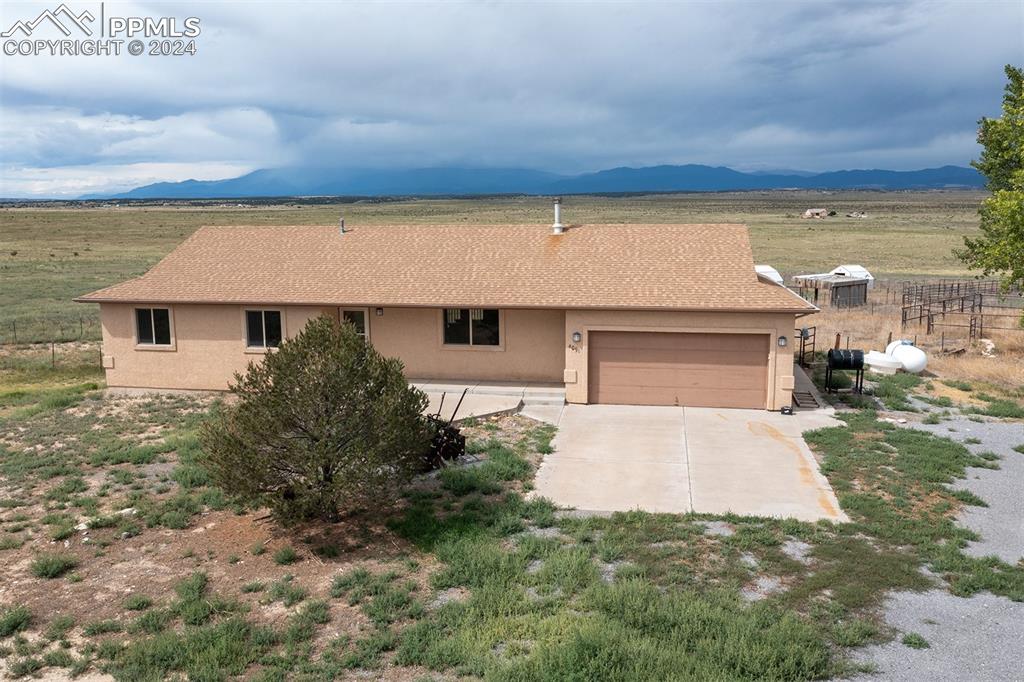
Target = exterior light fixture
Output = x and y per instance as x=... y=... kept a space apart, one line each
x=783 y=341
x=380 y=312
x=577 y=337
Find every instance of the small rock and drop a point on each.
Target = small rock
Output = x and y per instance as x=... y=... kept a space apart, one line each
x=762 y=588
x=533 y=595
x=720 y=528
x=608 y=570
x=84 y=525
x=797 y=550
x=549 y=532
x=446 y=596
x=130 y=511
x=748 y=560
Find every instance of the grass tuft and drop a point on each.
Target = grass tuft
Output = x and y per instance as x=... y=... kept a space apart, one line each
x=14 y=619
x=52 y=565
x=915 y=641
x=285 y=556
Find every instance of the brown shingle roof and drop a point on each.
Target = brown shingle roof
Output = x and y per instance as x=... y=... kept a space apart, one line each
x=680 y=267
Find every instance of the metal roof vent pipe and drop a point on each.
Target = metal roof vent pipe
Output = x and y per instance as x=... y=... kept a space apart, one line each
x=341 y=225
x=558 y=227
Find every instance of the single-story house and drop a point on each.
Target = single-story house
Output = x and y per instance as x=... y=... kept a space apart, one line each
x=634 y=314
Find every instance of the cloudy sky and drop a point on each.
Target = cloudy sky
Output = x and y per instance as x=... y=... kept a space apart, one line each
x=566 y=87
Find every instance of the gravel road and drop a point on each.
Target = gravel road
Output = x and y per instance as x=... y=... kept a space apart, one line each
x=981 y=638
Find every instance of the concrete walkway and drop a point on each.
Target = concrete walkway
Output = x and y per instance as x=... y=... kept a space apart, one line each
x=670 y=459
x=490 y=398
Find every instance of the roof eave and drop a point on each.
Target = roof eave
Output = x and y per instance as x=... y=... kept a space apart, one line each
x=88 y=298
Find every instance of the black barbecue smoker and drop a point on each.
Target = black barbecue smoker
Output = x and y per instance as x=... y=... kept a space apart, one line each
x=839 y=359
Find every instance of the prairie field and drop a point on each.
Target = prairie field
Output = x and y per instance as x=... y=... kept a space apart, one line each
x=48 y=255
x=124 y=560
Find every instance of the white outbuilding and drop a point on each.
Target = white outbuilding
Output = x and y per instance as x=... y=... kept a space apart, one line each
x=770 y=273
x=858 y=271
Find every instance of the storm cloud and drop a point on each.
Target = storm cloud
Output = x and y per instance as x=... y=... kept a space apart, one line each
x=565 y=87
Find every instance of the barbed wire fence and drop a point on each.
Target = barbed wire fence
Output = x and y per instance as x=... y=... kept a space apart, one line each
x=59 y=341
x=47 y=329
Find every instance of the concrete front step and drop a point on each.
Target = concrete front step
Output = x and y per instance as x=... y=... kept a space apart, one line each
x=543 y=400
x=544 y=393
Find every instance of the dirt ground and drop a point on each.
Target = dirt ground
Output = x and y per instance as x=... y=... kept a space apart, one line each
x=234 y=550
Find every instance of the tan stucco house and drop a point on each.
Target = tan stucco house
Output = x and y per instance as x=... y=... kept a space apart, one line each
x=636 y=314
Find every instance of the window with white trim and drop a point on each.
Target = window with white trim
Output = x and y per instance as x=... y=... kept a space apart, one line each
x=262 y=328
x=357 y=318
x=472 y=327
x=153 y=326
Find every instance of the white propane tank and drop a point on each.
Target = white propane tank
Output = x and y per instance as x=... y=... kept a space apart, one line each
x=893 y=345
x=912 y=358
x=881 y=363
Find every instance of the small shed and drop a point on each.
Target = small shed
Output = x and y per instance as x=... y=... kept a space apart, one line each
x=816 y=213
x=770 y=273
x=858 y=271
x=838 y=291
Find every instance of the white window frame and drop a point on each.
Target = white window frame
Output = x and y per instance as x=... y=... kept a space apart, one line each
x=263 y=321
x=139 y=345
x=366 y=319
x=471 y=345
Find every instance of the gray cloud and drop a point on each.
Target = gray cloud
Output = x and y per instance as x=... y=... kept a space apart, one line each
x=564 y=87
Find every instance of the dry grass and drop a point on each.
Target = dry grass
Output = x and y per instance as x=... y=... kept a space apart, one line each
x=1005 y=370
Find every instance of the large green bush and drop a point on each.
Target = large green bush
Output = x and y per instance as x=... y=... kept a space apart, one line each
x=323 y=426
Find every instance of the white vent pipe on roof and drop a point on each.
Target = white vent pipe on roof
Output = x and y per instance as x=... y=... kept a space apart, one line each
x=558 y=227
x=341 y=225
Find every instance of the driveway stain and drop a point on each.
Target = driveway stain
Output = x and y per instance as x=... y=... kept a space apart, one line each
x=804 y=469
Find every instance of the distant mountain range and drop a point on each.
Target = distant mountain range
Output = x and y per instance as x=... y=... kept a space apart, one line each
x=281 y=182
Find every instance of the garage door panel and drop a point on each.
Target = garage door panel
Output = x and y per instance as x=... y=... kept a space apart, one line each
x=688 y=398
x=675 y=358
x=680 y=341
x=694 y=369
x=694 y=377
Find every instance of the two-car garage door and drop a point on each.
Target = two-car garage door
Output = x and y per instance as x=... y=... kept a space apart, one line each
x=662 y=368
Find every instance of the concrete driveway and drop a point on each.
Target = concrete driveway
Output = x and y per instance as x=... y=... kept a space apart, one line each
x=672 y=459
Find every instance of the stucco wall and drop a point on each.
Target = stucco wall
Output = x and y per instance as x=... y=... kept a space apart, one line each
x=780 y=361
x=209 y=346
x=532 y=348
